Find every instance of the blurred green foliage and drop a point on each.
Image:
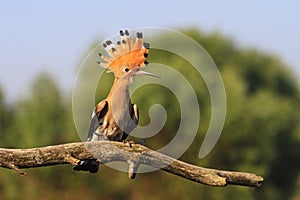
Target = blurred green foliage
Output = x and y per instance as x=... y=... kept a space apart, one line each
x=261 y=132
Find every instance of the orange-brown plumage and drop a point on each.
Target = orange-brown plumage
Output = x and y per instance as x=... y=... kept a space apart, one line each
x=131 y=59
x=125 y=53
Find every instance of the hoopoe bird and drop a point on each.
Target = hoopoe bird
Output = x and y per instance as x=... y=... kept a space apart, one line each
x=115 y=116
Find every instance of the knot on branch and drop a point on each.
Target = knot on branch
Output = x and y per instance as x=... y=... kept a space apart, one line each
x=133 y=168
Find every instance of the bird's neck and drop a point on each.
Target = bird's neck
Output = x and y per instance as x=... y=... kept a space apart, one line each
x=119 y=92
x=119 y=102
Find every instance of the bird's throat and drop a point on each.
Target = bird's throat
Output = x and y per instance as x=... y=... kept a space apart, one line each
x=119 y=99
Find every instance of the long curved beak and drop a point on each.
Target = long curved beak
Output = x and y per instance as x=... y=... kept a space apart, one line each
x=140 y=72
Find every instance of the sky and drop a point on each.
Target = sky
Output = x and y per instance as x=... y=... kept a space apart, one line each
x=54 y=36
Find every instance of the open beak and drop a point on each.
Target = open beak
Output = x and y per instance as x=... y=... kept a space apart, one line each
x=140 y=72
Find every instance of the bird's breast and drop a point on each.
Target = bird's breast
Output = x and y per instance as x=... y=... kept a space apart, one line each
x=112 y=126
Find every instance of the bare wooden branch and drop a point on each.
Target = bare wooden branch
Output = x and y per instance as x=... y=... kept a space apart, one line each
x=134 y=154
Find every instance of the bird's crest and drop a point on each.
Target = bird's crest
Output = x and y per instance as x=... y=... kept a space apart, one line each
x=125 y=52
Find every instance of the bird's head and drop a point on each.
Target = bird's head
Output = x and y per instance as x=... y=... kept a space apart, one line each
x=127 y=58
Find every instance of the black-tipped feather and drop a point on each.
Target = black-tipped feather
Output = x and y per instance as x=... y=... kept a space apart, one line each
x=146 y=45
x=126 y=32
x=139 y=35
x=108 y=42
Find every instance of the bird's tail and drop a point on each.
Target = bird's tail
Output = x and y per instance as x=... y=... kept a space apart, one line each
x=87 y=165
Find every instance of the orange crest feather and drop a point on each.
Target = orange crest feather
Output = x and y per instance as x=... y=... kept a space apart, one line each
x=125 y=52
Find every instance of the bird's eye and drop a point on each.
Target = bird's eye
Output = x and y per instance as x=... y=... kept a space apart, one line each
x=126 y=69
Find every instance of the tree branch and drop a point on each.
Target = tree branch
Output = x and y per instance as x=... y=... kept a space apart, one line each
x=134 y=155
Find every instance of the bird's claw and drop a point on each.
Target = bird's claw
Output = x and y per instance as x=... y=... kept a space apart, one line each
x=130 y=143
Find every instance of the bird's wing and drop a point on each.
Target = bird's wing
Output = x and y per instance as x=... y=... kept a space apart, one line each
x=98 y=113
x=134 y=114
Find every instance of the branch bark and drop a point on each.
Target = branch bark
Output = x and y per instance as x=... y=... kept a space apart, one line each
x=134 y=155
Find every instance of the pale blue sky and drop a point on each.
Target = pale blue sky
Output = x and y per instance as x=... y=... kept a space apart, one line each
x=52 y=36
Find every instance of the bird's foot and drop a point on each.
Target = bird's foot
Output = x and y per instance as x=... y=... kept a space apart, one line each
x=130 y=143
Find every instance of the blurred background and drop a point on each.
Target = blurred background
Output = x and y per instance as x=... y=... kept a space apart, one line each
x=255 y=45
